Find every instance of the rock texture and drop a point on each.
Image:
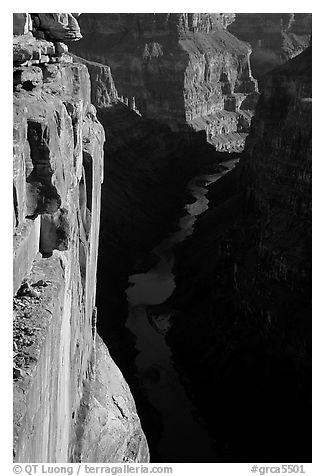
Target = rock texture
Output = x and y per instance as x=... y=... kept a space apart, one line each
x=107 y=398
x=103 y=91
x=241 y=331
x=60 y=367
x=56 y=26
x=22 y=23
x=274 y=37
x=182 y=69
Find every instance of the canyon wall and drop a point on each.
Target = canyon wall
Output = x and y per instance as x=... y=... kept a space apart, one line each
x=274 y=37
x=179 y=69
x=241 y=330
x=71 y=403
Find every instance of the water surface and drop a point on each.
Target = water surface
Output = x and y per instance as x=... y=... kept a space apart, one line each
x=184 y=437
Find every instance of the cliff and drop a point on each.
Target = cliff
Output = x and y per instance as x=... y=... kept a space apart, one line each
x=274 y=37
x=71 y=403
x=180 y=69
x=241 y=330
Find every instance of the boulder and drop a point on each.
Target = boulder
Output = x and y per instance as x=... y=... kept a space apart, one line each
x=59 y=26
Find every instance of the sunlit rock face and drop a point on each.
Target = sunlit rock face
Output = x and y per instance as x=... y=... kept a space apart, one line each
x=56 y=26
x=60 y=366
x=182 y=69
x=274 y=37
x=242 y=306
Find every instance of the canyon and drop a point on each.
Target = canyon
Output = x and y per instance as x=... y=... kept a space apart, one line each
x=162 y=201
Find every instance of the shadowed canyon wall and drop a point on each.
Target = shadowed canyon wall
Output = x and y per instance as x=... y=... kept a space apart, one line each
x=71 y=403
x=241 y=328
x=274 y=37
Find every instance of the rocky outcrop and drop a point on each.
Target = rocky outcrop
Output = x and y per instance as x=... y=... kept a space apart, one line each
x=56 y=26
x=275 y=37
x=182 y=69
x=108 y=427
x=22 y=23
x=103 y=90
x=241 y=330
x=49 y=26
x=60 y=366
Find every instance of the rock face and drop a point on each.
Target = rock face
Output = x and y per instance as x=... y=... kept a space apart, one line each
x=50 y=26
x=182 y=69
x=60 y=366
x=274 y=37
x=242 y=309
x=103 y=91
x=122 y=440
x=56 y=26
x=22 y=23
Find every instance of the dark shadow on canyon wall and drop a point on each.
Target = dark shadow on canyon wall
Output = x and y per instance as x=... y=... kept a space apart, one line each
x=242 y=307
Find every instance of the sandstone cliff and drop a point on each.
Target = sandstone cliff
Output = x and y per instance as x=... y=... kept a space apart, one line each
x=242 y=309
x=71 y=403
x=181 y=69
x=275 y=37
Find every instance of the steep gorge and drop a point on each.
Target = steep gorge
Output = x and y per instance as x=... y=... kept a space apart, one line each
x=144 y=53
x=189 y=97
x=184 y=91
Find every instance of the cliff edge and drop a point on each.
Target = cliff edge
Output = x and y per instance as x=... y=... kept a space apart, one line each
x=71 y=403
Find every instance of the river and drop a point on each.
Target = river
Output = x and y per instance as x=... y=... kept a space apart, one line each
x=184 y=437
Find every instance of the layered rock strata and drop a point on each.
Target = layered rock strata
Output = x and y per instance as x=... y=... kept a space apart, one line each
x=241 y=331
x=56 y=26
x=70 y=401
x=275 y=37
x=182 y=69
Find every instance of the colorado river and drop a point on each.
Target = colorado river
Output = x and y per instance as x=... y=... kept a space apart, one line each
x=184 y=436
